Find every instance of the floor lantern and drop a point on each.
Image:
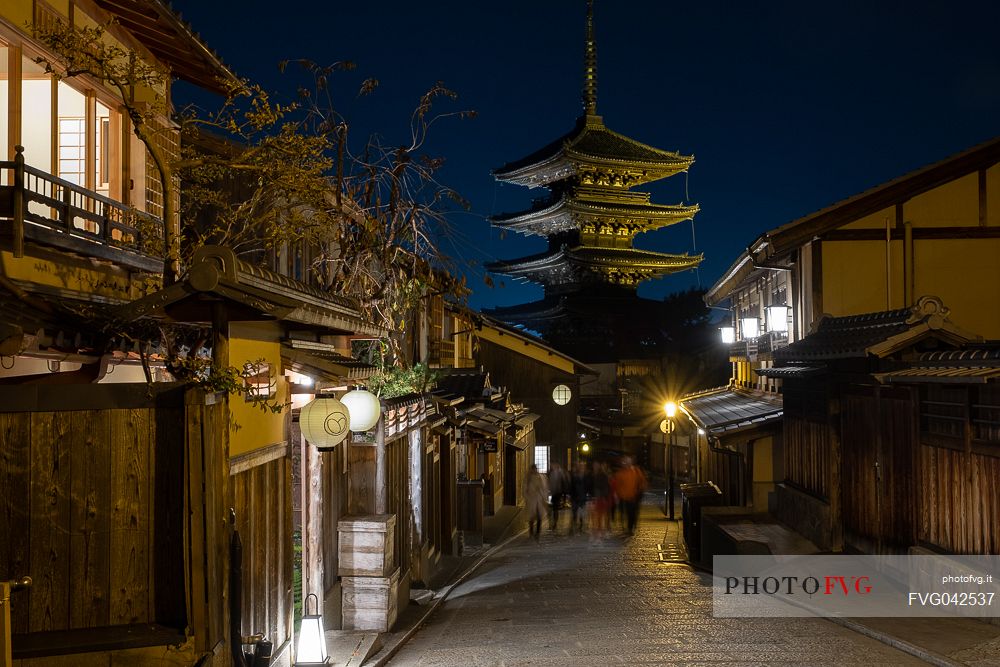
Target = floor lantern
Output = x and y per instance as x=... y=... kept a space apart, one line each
x=312 y=640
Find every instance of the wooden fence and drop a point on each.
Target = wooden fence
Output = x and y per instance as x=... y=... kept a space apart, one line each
x=261 y=487
x=92 y=510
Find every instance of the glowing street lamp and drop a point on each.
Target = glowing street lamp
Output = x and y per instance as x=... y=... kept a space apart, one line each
x=670 y=410
x=728 y=334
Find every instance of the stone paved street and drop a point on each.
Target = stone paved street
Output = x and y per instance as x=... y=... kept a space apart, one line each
x=569 y=602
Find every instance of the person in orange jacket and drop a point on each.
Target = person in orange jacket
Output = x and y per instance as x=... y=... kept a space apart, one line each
x=630 y=483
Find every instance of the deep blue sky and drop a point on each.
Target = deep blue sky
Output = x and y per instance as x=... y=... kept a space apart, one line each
x=787 y=106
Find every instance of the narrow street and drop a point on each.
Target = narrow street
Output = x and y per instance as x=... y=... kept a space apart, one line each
x=571 y=602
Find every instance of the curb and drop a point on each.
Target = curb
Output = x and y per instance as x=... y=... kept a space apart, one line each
x=926 y=655
x=387 y=653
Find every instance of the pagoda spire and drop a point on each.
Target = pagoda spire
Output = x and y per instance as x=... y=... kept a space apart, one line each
x=590 y=65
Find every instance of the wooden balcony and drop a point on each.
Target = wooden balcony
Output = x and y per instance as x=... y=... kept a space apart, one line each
x=37 y=206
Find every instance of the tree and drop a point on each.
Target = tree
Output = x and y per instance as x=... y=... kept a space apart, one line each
x=372 y=211
x=259 y=175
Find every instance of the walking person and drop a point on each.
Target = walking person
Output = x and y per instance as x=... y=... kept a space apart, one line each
x=579 y=492
x=558 y=484
x=630 y=483
x=602 y=499
x=536 y=491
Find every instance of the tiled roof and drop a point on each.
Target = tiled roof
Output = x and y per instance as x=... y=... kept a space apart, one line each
x=791 y=371
x=729 y=410
x=596 y=141
x=845 y=337
x=971 y=366
x=469 y=384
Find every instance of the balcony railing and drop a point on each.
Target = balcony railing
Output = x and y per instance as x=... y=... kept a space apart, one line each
x=750 y=349
x=771 y=341
x=55 y=212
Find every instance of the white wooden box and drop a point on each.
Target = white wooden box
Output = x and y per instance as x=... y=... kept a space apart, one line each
x=369 y=603
x=365 y=545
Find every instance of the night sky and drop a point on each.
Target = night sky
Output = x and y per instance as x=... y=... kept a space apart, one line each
x=787 y=107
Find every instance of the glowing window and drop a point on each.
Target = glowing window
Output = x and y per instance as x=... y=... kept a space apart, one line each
x=561 y=394
x=542 y=458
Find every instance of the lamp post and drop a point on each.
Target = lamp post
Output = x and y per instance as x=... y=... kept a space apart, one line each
x=670 y=409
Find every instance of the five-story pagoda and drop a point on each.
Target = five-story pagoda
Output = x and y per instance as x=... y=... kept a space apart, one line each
x=590 y=269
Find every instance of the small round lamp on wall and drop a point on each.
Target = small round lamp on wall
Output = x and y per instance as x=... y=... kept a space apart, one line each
x=363 y=407
x=325 y=422
x=561 y=394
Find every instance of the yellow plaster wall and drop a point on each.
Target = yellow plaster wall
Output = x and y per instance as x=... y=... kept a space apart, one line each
x=966 y=275
x=875 y=220
x=854 y=277
x=17 y=12
x=993 y=196
x=254 y=428
x=763 y=472
x=62 y=274
x=954 y=204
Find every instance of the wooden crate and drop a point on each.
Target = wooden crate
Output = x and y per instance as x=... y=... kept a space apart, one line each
x=365 y=545
x=369 y=603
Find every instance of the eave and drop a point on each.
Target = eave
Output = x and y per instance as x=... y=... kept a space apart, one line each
x=570 y=212
x=591 y=145
x=171 y=41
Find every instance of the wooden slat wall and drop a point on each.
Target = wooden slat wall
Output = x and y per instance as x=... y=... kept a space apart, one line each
x=398 y=477
x=207 y=529
x=262 y=500
x=858 y=449
x=334 y=498
x=90 y=510
x=959 y=500
x=807 y=455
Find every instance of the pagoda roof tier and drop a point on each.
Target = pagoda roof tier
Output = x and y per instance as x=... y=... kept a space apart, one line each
x=597 y=156
x=587 y=265
x=572 y=211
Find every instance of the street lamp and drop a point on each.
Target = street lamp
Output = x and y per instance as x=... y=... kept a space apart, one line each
x=670 y=409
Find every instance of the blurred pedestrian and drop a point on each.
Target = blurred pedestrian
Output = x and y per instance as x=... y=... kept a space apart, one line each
x=601 y=503
x=579 y=492
x=536 y=492
x=630 y=483
x=558 y=484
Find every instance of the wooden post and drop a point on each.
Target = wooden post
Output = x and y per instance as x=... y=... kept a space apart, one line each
x=220 y=337
x=836 y=504
x=381 y=477
x=18 y=201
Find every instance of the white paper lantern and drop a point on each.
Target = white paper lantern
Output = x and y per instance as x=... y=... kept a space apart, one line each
x=363 y=407
x=325 y=422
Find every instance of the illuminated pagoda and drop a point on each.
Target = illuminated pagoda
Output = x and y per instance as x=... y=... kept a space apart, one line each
x=590 y=270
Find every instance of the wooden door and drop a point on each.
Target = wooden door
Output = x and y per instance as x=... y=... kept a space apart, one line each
x=878 y=445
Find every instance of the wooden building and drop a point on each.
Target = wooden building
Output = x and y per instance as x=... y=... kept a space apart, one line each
x=892 y=434
x=932 y=231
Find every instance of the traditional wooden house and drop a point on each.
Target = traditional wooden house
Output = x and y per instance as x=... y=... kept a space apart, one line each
x=891 y=434
x=932 y=231
x=548 y=382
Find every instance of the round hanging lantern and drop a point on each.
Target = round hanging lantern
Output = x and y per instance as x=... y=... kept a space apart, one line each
x=363 y=407
x=325 y=422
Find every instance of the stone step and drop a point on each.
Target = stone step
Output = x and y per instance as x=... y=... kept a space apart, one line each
x=349 y=648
